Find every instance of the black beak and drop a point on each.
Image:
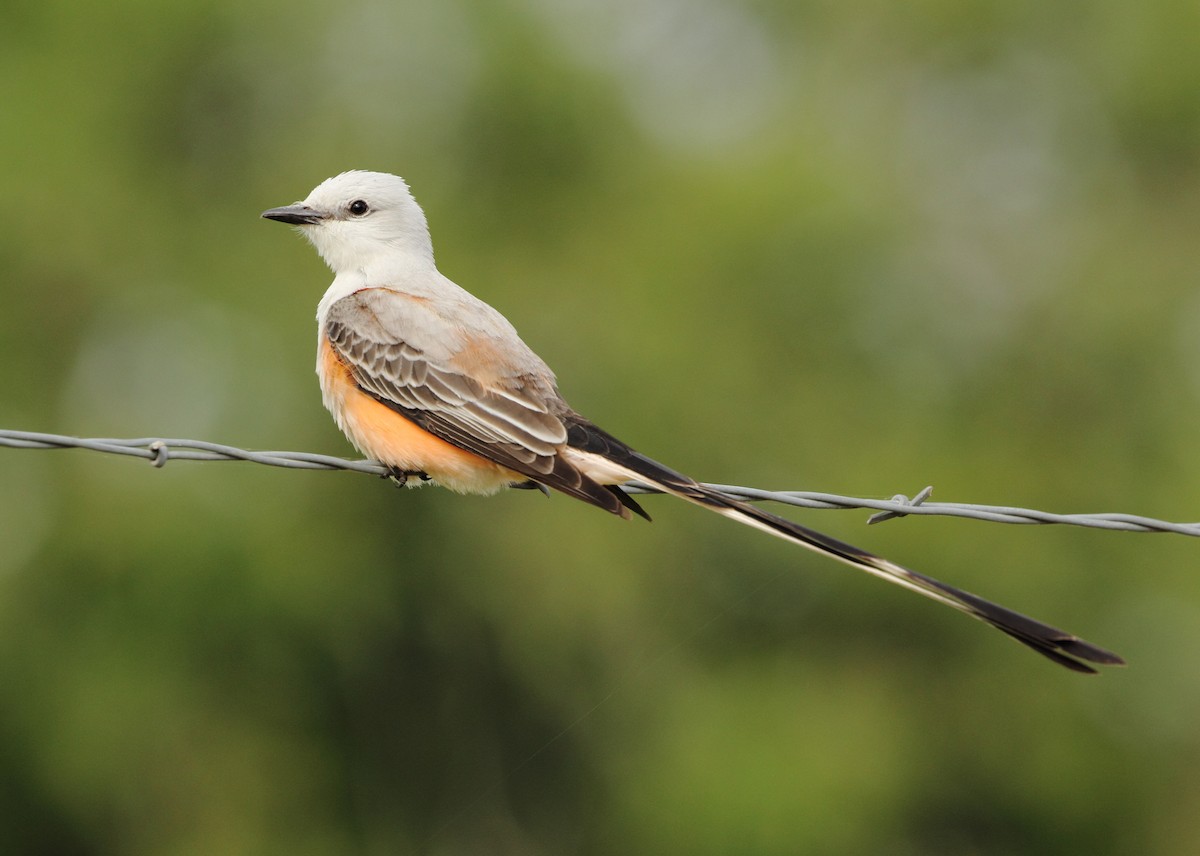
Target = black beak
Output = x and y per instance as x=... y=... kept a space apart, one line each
x=298 y=215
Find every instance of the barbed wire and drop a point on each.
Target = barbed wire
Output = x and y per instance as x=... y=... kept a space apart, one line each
x=160 y=450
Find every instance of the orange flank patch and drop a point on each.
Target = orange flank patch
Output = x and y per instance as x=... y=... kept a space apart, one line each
x=384 y=435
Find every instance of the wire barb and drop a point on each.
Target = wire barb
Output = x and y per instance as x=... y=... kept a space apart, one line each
x=159 y=450
x=162 y=453
x=905 y=502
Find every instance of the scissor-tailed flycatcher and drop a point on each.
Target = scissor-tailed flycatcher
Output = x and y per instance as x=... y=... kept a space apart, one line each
x=431 y=381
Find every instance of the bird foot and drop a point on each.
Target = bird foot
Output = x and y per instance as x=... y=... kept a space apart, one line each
x=531 y=485
x=400 y=477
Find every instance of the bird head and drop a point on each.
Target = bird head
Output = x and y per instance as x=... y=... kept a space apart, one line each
x=357 y=218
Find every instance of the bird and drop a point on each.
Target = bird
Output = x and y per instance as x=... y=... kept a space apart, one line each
x=435 y=384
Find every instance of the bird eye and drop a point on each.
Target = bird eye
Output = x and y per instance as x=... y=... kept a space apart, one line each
x=359 y=207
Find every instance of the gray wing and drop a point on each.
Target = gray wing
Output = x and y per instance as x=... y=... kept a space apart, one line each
x=452 y=378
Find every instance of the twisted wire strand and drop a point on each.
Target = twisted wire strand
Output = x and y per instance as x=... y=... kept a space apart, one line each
x=160 y=450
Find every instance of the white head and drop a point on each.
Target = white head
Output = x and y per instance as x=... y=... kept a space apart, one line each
x=358 y=217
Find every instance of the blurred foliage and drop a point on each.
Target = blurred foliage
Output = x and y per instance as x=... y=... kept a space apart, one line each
x=852 y=247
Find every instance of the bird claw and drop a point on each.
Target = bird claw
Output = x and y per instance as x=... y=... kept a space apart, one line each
x=400 y=477
x=531 y=485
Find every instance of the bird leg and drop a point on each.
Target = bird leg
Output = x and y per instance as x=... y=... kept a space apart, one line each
x=400 y=477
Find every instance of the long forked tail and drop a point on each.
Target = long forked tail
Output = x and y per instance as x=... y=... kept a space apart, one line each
x=1063 y=648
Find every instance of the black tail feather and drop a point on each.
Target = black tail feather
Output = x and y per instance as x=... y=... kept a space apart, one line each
x=1057 y=645
x=628 y=501
x=1062 y=647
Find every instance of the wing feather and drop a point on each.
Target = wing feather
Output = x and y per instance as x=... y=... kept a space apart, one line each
x=515 y=418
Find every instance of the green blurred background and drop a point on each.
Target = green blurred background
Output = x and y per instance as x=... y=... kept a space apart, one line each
x=846 y=247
